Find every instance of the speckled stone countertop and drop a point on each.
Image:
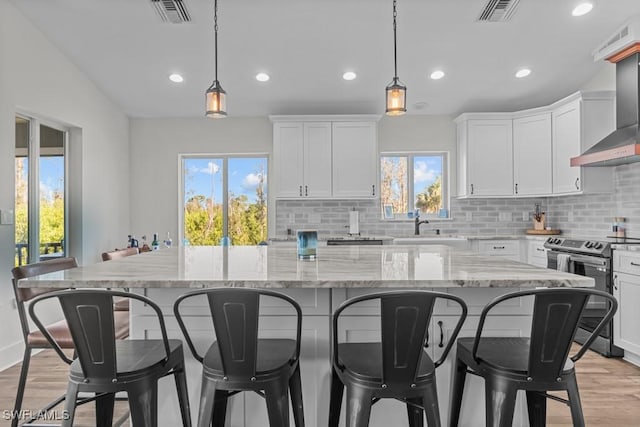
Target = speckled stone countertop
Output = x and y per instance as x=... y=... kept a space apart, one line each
x=416 y=266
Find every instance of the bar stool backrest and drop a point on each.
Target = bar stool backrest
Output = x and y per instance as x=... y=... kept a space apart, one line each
x=556 y=316
x=119 y=253
x=235 y=314
x=89 y=314
x=26 y=294
x=404 y=321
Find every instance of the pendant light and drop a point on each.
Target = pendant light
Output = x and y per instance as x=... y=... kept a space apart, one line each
x=216 y=97
x=396 y=92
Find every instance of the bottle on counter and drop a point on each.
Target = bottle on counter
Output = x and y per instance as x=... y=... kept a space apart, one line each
x=168 y=242
x=129 y=241
x=134 y=242
x=155 y=245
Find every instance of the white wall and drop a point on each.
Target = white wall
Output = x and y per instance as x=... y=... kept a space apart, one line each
x=155 y=147
x=36 y=78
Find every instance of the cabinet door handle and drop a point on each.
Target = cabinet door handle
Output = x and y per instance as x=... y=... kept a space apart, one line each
x=577 y=183
x=471 y=188
x=615 y=282
x=539 y=249
x=441 y=334
x=426 y=344
x=301 y=190
x=635 y=264
x=373 y=190
x=516 y=188
x=306 y=190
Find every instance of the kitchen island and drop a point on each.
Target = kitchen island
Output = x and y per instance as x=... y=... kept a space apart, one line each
x=320 y=285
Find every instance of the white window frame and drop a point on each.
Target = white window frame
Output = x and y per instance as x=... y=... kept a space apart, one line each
x=411 y=155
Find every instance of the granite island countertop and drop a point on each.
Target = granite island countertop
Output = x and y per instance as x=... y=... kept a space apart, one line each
x=386 y=266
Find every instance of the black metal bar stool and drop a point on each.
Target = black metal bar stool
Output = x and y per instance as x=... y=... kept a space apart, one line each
x=35 y=340
x=106 y=365
x=240 y=361
x=537 y=364
x=397 y=367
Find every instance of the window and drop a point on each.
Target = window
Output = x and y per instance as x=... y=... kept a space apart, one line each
x=411 y=181
x=40 y=190
x=225 y=200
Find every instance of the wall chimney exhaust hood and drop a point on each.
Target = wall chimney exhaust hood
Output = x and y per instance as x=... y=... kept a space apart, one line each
x=622 y=146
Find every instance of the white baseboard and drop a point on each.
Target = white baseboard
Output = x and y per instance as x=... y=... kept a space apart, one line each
x=632 y=358
x=11 y=354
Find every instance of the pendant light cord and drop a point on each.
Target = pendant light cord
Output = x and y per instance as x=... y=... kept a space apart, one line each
x=395 y=55
x=215 y=28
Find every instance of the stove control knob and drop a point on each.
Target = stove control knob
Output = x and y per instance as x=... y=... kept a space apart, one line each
x=556 y=241
x=550 y=240
x=598 y=245
x=588 y=245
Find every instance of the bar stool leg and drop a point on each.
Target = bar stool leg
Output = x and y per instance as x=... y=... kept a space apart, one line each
x=70 y=404
x=500 y=402
x=430 y=404
x=277 y=396
x=335 y=404
x=414 y=413
x=295 y=388
x=143 y=404
x=537 y=407
x=24 y=369
x=574 y=402
x=457 y=390
x=220 y=408
x=207 y=399
x=104 y=409
x=183 y=394
x=358 y=406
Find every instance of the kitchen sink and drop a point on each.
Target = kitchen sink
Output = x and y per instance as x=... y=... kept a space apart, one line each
x=441 y=239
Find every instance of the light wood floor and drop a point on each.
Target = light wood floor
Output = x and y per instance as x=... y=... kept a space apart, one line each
x=609 y=388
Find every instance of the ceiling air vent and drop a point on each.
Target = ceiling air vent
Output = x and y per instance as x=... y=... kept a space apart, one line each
x=624 y=37
x=173 y=11
x=498 y=10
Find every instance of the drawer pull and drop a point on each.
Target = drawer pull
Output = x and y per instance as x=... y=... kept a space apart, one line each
x=441 y=335
x=539 y=249
x=498 y=247
x=635 y=264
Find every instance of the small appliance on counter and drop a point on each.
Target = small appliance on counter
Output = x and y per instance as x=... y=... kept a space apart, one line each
x=307 y=244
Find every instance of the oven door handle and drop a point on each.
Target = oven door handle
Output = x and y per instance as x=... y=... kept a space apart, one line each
x=591 y=261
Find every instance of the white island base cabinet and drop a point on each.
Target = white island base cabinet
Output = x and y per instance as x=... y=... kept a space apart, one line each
x=626 y=289
x=249 y=410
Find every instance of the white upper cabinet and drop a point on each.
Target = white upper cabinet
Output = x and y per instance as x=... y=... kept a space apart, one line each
x=354 y=156
x=528 y=153
x=578 y=122
x=487 y=146
x=331 y=158
x=302 y=159
x=532 y=155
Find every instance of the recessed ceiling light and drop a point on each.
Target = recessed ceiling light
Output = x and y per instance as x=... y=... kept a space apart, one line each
x=582 y=9
x=523 y=72
x=349 y=75
x=420 y=105
x=262 y=77
x=437 y=75
x=176 y=78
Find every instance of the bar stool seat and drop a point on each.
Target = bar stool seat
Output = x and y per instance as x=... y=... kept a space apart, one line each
x=272 y=355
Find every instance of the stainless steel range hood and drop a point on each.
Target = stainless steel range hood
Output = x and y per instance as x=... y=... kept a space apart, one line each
x=622 y=146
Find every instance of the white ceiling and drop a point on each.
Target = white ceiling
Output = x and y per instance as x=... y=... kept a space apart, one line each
x=306 y=45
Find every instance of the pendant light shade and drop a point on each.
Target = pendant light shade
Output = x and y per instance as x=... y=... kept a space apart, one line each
x=216 y=97
x=396 y=92
x=216 y=101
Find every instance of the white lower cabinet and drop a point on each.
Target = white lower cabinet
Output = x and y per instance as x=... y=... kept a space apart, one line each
x=626 y=289
x=536 y=253
x=508 y=249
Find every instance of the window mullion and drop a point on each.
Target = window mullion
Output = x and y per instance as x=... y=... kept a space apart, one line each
x=33 y=201
x=410 y=200
x=225 y=197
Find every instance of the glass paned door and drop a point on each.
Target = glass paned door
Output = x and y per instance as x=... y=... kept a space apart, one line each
x=203 y=201
x=247 y=200
x=40 y=195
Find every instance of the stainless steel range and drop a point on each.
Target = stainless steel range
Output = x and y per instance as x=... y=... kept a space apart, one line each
x=590 y=258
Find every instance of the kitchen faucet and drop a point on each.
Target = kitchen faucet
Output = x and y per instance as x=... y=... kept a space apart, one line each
x=417 y=223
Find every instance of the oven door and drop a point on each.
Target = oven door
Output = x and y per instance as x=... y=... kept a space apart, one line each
x=600 y=270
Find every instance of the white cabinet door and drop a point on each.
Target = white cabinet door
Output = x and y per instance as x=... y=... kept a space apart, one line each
x=508 y=249
x=626 y=332
x=537 y=253
x=532 y=155
x=317 y=159
x=566 y=144
x=490 y=157
x=354 y=160
x=288 y=159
